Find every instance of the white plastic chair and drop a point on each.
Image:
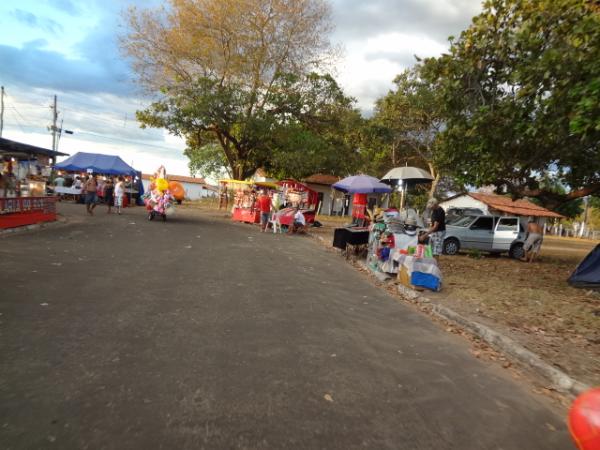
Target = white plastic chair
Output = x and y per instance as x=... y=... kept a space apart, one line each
x=275 y=224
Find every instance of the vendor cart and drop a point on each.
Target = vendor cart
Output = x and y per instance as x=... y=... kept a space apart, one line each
x=244 y=195
x=24 y=173
x=297 y=195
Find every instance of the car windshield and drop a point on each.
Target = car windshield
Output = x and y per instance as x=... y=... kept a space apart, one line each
x=462 y=221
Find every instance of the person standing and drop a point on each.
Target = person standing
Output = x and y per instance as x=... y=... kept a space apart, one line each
x=90 y=187
x=437 y=230
x=264 y=206
x=533 y=240
x=119 y=192
x=59 y=181
x=109 y=198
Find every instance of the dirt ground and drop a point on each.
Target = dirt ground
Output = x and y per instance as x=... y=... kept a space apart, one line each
x=531 y=303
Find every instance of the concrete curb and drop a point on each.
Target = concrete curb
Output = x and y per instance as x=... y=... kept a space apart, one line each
x=558 y=379
x=36 y=226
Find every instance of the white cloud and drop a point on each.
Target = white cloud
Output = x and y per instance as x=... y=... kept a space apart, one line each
x=370 y=66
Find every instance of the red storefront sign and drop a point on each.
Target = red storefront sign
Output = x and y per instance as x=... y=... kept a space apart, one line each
x=21 y=211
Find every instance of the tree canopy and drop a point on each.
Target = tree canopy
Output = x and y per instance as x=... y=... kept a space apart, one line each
x=406 y=125
x=241 y=75
x=520 y=92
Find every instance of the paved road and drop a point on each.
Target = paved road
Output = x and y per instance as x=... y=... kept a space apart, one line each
x=119 y=333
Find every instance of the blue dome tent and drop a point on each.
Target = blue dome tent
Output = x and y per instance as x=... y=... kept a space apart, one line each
x=96 y=162
x=587 y=273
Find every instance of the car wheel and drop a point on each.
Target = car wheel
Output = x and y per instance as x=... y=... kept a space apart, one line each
x=517 y=251
x=451 y=246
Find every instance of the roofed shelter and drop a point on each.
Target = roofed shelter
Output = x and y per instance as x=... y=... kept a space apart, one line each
x=321 y=183
x=21 y=151
x=493 y=204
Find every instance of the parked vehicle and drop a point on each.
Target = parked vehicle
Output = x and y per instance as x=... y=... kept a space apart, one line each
x=453 y=214
x=493 y=234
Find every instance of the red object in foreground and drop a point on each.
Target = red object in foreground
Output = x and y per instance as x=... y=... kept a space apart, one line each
x=21 y=211
x=584 y=420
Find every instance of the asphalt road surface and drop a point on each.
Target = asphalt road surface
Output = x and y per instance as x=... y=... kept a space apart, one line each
x=119 y=333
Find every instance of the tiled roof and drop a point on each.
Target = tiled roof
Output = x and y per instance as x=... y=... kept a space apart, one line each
x=510 y=206
x=321 y=178
x=180 y=178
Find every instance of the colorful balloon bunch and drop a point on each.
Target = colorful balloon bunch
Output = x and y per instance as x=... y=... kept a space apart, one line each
x=159 y=197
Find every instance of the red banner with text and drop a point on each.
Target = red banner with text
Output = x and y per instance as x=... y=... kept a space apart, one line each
x=21 y=211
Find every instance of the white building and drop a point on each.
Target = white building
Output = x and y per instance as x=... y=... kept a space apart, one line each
x=321 y=183
x=195 y=188
x=337 y=203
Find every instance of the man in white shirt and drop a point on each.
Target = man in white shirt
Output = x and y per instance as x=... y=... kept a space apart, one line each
x=299 y=222
x=59 y=181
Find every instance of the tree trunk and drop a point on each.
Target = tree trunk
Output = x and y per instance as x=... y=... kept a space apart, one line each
x=435 y=182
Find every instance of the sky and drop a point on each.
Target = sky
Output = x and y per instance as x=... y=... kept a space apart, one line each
x=69 y=48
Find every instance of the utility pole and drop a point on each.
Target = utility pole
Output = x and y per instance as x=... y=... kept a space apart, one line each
x=54 y=128
x=1 y=109
x=584 y=225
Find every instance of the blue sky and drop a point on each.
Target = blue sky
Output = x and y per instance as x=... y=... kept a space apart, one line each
x=69 y=48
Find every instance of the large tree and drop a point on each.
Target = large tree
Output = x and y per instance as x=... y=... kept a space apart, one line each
x=406 y=124
x=233 y=72
x=521 y=97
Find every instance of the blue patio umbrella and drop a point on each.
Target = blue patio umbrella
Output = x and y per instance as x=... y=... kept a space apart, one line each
x=362 y=184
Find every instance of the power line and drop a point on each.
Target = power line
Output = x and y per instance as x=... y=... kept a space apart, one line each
x=18 y=123
x=115 y=138
x=96 y=117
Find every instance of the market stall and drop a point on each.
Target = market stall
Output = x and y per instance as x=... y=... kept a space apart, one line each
x=292 y=194
x=107 y=165
x=243 y=195
x=24 y=172
x=359 y=186
x=395 y=248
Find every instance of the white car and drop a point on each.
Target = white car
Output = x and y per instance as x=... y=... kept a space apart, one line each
x=493 y=234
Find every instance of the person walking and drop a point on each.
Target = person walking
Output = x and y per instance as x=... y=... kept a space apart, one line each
x=91 y=198
x=264 y=206
x=119 y=192
x=437 y=230
x=109 y=198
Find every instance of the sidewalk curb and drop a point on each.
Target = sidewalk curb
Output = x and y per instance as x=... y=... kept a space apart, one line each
x=34 y=227
x=558 y=379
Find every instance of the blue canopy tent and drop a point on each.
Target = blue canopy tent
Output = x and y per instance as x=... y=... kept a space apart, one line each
x=101 y=164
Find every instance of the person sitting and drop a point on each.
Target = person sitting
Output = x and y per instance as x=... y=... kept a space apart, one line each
x=299 y=223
